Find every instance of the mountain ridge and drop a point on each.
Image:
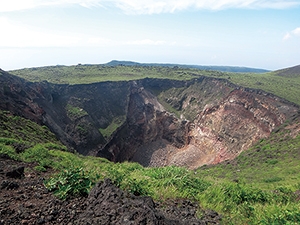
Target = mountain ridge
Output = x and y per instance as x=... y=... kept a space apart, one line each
x=236 y=69
x=290 y=72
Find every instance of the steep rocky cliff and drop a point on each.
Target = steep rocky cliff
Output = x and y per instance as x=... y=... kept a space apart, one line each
x=212 y=121
x=75 y=113
x=154 y=122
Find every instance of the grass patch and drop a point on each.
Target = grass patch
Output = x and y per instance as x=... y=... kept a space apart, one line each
x=240 y=203
x=112 y=127
x=74 y=112
x=285 y=87
x=83 y=74
x=273 y=179
x=72 y=182
x=21 y=130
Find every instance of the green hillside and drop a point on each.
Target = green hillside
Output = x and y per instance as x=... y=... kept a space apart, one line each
x=283 y=86
x=83 y=74
x=235 y=69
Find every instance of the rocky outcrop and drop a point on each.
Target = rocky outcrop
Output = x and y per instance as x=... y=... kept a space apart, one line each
x=222 y=131
x=224 y=120
x=78 y=112
x=75 y=113
x=146 y=122
x=107 y=204
x=17 y=96
x=155 y=122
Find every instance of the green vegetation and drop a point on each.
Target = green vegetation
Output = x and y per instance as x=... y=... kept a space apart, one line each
x=117 y=122
x=270 y=162
x=264 y=178
x=168 y=107
x=83 y=74
x=187 y=101
x=72 y=182
x=258 y=187
x=75 y=112
x=285 y=87
x=22 y=139
x=24 y=131
x=170 y=65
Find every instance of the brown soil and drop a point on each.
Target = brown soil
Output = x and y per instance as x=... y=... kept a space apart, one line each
x=25 y=200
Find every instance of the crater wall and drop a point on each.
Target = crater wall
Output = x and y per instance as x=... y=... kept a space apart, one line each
x=155 y=122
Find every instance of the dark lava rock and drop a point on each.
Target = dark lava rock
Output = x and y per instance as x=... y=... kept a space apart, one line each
x=186 y=212
x=107 y=204
x=4 y=156
x=16 y=173
x=27 y=201
x=5 y=184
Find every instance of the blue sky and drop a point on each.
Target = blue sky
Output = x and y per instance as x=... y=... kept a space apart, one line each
x=253 y=33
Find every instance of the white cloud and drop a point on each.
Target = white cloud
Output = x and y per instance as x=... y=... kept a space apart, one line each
x=293 y=33
x=287 y=36
x=98 y=41
x=296 y=31
x=170 y=6
x=146 y=42
x=18 y=35
x=16 y=5
x=151 y=6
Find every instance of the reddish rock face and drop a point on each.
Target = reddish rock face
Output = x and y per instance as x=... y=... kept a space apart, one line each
x=221 y=129
x=185 y=123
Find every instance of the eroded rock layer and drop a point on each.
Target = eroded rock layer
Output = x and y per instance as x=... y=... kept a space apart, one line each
x=154 y=122
x=223 y=121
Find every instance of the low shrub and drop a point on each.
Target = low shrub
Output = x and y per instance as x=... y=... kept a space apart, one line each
x=272 y=179
x=280 y=215
x=136 y=186
x=73 y=182
x=39 y=153
x=9 y=151
x=239 y=194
